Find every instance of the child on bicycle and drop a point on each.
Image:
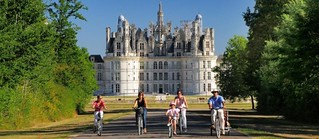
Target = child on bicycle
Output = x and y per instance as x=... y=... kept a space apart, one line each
x=98 y=106
x=172 y=113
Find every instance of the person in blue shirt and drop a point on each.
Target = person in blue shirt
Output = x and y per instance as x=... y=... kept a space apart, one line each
x=216 y=104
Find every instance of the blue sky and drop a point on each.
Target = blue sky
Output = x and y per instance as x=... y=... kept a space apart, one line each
x=225 y=16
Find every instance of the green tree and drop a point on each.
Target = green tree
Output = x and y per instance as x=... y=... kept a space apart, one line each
x=261 y=23
x=74 y=69
x=299 y=59
x=231 y=72
x=26 y=60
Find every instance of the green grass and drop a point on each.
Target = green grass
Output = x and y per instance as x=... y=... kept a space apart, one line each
x=256 y=134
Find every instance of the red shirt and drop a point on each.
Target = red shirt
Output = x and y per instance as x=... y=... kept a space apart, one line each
x=98 y=105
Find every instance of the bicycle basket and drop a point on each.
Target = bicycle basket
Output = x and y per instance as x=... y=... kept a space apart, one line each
x=140 y=110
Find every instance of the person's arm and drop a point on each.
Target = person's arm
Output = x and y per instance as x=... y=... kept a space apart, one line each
x=185 y=102
x=145 y=103
x=103 y=105
x=135 y=104
x=166 y=112
x=93 y=105
x=209 y=103
x=222 y=101
x=175 y=100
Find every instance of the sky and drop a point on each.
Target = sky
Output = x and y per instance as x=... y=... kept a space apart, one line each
x=224 y=16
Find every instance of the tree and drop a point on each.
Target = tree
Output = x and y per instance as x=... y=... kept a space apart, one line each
x=74 y=69
x=261 y=23
x=298 y=61
x=231 y=72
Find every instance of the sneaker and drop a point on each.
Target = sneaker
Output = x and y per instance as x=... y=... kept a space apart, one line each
x=169 y=124
x=174 y=133
x=212 y=126
x=223 y=132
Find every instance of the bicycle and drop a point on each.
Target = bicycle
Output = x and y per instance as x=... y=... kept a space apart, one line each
x=217 y=125
x=170 y=127
x=181 y=121
x=140 y=121
x=99 y=125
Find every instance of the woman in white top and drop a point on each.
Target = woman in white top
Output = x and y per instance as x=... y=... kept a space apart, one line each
x=181 y=103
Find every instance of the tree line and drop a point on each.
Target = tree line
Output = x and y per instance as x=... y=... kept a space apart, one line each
x=278 y=64
x=44 y=75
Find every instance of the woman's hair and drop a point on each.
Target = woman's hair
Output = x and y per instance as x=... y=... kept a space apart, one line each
x=179 y=91
x=141 y=93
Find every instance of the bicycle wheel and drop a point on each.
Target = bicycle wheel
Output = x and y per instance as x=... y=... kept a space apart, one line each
x=140 y=130
x=99 y=127
x=217 y=127
x=170 y=131
x=211 y=130
x=141 y=123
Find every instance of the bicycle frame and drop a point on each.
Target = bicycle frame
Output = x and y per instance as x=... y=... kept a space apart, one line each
x=217 y=124
x=171 y=128
x=99 y=124
x=139 y=121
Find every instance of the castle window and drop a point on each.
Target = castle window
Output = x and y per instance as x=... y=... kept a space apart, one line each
x=118 y=53
x=118 y=46
x=207 y=53
x=209 y=65
x=179 y=54
x=155 y=65
x=155 y=76
x=141 y=65
x=160 y=65
x=117 y=76
x=179 y=45
x=209 y=87
x=142 y=87
x=141 y=46
x=99 y=76
x=147 y=76
x=173 y=76
x=117 y=88
x=207 y=44
x=141 y=54
x=209 y=75
x=141 y=76
x=165 y=76
x=204 y=63
x=160 y=76
x=165 y=65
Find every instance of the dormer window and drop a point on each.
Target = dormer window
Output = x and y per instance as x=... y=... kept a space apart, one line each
x=179 y=45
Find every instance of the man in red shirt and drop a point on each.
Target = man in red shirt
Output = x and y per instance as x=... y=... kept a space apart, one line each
x=98 y=105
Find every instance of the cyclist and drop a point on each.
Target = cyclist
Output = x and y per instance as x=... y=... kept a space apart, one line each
x=172 y=113
x=217 y=102
x=181 y=103
x=98 y=106
x=141 y=102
